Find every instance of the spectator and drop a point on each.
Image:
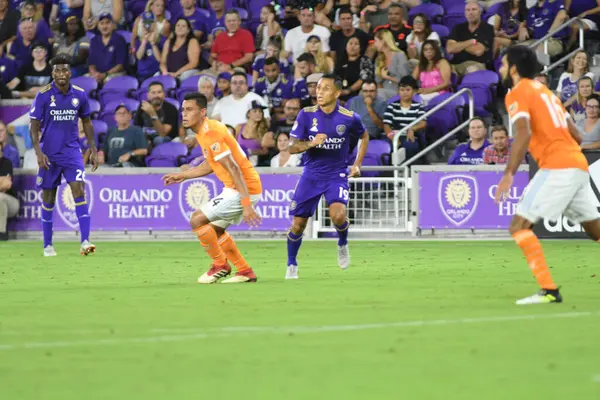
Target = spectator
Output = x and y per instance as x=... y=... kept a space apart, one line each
x=9 y=23
x=8 y=69
x=181 y=53
x=305 y=66
x=10 y=152
x=63 y=9
x=73 y=41
x=9 y=204
x=153 y=18
x=250 y=134
x=471 y=42
x=148 y=51
x=223 y=85
x=206 y=86
x=284 y=159
x=290 y=18
x=125 y=144
x=391 y=64
x=508 y=22
x=196 y=19
x=160 y=118
x=396 y=25
x=585 y=88
x=588 y=11
x=268 y=29
x=347 y=31
x=311 y=88
x=21 y=46
x=471 y=153
x=354 y=7
x=370 y=108
x=324 y=63
x=295 y=39
x=42 y=30
x=94 y=9
x=543 y=79
x=232 y=109
x=291 y=108
x=542 y=18
x=274 y=87
x=374 y=15
x=433 y=71
x=236 y=48
x=402 y=113
x=216 y=23
x=32 y=78
x=590 y=126
x=499 y=151
x=273 y=50
x=567 y=83
x=422 y=32
x=356 y=70
x=108 y=52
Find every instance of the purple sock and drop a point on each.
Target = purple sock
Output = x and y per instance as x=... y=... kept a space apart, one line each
x=293 y=245
x=342 y=231
x=81 y=209
x=47 y=211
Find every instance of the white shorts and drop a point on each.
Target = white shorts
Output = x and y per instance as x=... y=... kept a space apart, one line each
x=552 y=192
x=226 y=209
x=591 y=25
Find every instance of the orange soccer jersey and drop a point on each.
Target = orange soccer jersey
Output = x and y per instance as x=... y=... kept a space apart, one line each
x=216 y=143
x=551 y=144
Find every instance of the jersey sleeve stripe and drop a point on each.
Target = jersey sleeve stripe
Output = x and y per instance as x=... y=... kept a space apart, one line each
x=519 y=115
x=222 y=155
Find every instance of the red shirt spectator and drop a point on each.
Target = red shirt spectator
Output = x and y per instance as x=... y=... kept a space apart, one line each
x=236 y=46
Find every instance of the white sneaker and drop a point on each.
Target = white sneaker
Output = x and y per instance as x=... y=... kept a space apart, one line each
x=49 y=251
x=292 y=272
x=344 y=256
x=87 y=248
x=542 y=297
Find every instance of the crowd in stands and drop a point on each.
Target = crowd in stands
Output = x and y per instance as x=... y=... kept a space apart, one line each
x=258 y=63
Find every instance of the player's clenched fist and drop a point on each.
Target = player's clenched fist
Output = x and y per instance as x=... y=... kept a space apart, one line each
x=318 y=140
x=171 y=179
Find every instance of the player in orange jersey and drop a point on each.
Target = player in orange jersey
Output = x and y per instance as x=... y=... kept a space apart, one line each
x=242 y=190
x=562 y=184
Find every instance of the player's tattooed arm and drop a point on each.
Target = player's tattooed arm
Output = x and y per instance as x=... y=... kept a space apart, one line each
x=88 y=128
x=300 y=146
x=36 y=132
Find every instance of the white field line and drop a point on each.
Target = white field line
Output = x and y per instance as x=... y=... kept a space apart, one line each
x=186 y=334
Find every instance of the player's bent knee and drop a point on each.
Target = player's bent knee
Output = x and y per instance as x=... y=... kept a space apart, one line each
x=77 y=189
x=198 y=219
x=298 y=225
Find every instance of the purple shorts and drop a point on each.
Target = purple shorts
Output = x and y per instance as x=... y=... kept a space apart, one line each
x=309 y=191
x=71 y=170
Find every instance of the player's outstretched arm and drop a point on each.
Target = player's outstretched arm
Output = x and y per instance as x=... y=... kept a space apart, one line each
x=36 y=132
x=360 y=156
x=300 y=146
x=249 y=214
x=88 y=128
x=195 y=172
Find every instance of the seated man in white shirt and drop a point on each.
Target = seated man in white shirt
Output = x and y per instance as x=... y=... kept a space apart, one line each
x=295 y=39
x=232 y=109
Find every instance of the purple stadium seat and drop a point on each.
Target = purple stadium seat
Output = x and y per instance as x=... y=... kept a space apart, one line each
x=445 y=119
x=378 y=154
x=483 y=84
x=194 y=153
x=181 y=92
x=125 y=35
x=118 y=88
x=94 y=107
x=169 y=83
x=108 y=119
x=448 y=4
x=481 y=77
x=167 y=155
x=434 y=12
x=243 y=14
x=454 y=17
x=493 y=10
x=90 y=85
x=597 y=88
x=442 y=31
x=99 y=127
x=173 y=102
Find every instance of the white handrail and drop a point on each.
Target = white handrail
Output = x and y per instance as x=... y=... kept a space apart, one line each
x=549 y=35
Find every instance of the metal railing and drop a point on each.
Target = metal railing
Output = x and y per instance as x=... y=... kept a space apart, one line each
x=395 y=158
x=549 y=36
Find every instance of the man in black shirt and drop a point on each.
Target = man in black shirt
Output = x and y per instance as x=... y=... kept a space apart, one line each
x=471 y=42
x=158 y=118
x=9 y=205
x=397 y=25
x=339 y=39
x=291 y=108
x=32 y=77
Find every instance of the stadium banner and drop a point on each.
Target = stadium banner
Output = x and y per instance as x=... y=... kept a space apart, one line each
x=142 y=202
x=454 y=199
x=561 y=227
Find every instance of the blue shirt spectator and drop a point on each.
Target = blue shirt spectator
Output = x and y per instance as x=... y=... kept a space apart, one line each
x=471 y=153
x=148 y=55
x=108 y=51
x=542 y=15
x=371 y=113
x=8 y=68
x=61 y=11
x=10 y=152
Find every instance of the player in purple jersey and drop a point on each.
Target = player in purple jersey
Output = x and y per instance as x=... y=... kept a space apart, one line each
x=327 y=133
x=55 y=135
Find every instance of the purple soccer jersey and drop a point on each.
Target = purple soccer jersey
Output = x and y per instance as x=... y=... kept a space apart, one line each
x=540 y=19
x=58 y=114
x=325 y=166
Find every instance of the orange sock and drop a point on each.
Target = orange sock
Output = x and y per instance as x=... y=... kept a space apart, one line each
x=208 y=239
x=532 y=249
x=233 y=253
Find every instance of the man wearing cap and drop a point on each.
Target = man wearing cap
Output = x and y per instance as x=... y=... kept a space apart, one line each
x=295 y=39
x=274 y=87
x=108 y=51
x=125 y=145
x=311 y=90
x=223 y=86
x=231 y=110
x=33 y=77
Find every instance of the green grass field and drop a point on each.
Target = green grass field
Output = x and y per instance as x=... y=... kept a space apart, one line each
x=408 y=320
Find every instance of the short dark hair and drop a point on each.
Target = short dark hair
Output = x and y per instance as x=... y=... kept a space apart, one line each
x=239 y=73
x=369 y=82
x=594 y=96
x=476 y=118
x=233 y=11
x=498 y=128
x=306 y=57
x=61 y=58
x=271 y=61
x=396 y=5
x=408 y=81
x=156 y=83
x=337 y=81
x=122 y=106
x=524 y=59
x=345 y=10
x=199 y=98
